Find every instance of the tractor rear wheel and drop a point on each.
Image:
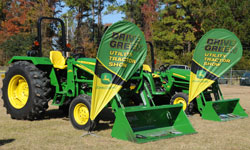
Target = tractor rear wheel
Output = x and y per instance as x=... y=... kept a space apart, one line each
x=25 y=91
x=79 y=113
x=180 y=98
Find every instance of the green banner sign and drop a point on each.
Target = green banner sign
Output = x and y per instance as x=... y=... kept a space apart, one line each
x=122 y=51
x=217 y=51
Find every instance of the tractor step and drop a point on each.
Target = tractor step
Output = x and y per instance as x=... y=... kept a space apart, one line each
x=59 y=99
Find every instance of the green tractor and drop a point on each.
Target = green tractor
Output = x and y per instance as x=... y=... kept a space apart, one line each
x=167 y=85
x=171 y=86
x=32 y=81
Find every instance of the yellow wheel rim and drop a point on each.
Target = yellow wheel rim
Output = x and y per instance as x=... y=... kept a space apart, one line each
x=81 y=114
x=18 y=91
x=181 y=100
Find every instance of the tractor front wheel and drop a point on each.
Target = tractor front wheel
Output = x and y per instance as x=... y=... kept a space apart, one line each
x=79 y=113
x=180 y=98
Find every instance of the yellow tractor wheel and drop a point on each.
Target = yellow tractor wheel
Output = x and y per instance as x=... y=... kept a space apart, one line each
x=18 y=91
x=25 y=91
x=180 y=98
x=79 y=113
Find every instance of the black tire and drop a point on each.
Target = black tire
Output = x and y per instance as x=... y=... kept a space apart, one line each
x=38 y=93
x=84 y=100
x=183 y=98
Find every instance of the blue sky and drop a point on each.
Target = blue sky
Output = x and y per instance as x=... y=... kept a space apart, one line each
x=112 y=18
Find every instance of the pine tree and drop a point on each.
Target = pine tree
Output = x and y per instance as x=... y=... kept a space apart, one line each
x=174 y=34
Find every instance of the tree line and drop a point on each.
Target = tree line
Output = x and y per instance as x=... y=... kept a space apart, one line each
x=173 y=26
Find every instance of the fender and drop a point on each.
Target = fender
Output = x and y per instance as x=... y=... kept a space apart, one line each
x=34 y=60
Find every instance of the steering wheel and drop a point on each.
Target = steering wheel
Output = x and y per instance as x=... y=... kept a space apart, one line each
x=164 y=67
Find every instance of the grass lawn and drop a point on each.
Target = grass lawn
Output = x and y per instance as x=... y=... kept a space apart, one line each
x=56 y=132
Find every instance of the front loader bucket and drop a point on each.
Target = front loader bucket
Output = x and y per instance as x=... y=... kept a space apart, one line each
x=142 y=124
x=223 y=110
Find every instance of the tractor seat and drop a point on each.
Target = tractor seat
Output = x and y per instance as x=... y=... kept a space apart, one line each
x=147 y=68
x=57 y=60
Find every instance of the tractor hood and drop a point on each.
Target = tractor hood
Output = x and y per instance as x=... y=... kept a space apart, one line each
x=91 y=61
x=88 y=64
x=180 y=73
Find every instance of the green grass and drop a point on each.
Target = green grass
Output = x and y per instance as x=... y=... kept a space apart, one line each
x=56 y=132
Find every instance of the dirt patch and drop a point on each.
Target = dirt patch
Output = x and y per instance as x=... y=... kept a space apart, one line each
x=56 y=132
